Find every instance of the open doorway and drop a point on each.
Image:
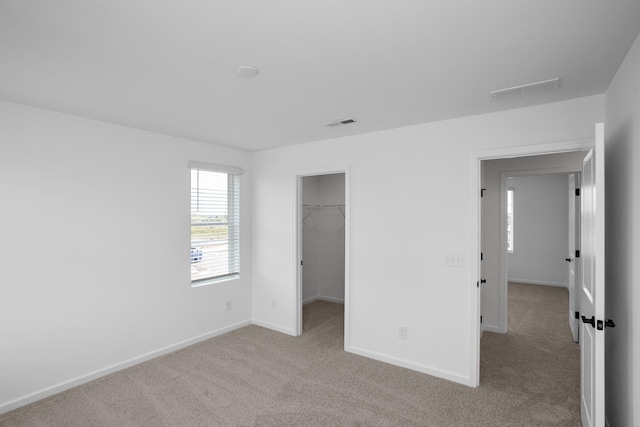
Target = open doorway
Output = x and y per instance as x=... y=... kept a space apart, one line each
x=543 y=245
x=487 y=278
x=591 y=287
x=322 y=209
x=323 y=243
x=525 y=299
x=539 y=242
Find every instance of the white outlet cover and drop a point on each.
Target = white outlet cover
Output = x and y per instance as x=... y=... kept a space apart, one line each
x=402 y=334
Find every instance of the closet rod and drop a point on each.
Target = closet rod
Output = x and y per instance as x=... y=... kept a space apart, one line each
x=323 y=206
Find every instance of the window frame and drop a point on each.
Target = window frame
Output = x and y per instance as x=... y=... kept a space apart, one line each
x=233 y=221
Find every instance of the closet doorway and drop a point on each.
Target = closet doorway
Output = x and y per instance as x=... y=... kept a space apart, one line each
x=322 y=237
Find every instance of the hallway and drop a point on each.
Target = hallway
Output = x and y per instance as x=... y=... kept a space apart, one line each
x=537 y=358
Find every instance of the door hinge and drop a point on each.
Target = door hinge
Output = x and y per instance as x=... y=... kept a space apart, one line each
x=482 y=192
x=577 y=315
x=591 y=321
x=481 y=256
x=477 y=284
x=577 y=191
x=480 y=319
x=483 y=280
x=577 y=254
x=301 y=262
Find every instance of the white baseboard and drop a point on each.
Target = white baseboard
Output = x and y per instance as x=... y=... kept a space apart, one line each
x=273 y=327
x=82 y=379
x=410 y=365
x=491 y=328
x=321 y=298
x=538 y=282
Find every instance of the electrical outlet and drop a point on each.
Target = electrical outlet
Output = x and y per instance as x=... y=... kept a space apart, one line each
x=274 y=303
x=454 y=260
x=402 y=334
x=229 y=305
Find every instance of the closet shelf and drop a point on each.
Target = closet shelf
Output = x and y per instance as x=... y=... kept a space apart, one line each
x=341 y=207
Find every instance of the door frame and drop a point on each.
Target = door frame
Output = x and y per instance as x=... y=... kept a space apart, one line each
x=575 y=262
x=475 y=221
x=297 y=236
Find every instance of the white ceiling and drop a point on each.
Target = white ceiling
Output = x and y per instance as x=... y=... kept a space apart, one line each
x=169 y=65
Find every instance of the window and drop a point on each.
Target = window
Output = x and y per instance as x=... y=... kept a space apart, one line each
x=510 y=193
x=215 y=223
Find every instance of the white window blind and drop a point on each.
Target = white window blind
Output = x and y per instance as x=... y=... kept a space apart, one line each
x=215 y=224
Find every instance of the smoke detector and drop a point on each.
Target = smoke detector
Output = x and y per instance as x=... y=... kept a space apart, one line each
x=340 y=122
x=247 y=71
x=528 y=89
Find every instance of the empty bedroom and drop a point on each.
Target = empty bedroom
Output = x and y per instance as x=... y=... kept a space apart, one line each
x=275 y=213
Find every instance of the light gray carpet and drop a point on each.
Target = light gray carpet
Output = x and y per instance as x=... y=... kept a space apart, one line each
x=537 y=359
x=257 y=377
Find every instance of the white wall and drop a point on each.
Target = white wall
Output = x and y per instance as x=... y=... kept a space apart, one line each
x=493 y=295
x=622 y=129
x=541 y=230
x=94 y=270
x=323 y=238
x=410 y=195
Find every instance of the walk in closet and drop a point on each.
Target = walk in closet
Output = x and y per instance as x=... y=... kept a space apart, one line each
x=323 y=237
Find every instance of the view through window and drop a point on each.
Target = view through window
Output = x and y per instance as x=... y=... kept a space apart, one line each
x=215 y=225
x=510 y=193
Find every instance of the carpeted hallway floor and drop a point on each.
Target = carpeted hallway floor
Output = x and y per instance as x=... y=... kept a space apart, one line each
x=257 y=377
x=537 y=359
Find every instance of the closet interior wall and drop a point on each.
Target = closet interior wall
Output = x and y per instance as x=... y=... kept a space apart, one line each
x=323 y=237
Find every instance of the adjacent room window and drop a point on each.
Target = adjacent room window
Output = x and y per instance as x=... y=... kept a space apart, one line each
x=215 y=224
x=510 y=193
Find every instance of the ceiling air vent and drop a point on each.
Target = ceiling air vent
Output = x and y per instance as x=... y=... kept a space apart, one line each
x=528 y=89
x=340 y=122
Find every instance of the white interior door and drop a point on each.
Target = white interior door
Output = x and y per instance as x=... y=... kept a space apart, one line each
x=592 y=285
x=572 y=260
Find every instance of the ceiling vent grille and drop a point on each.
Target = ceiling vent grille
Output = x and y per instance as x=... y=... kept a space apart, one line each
x=340 y=123
x=537 y=87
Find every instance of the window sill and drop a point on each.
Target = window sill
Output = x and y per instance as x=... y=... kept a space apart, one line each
x=215 y=280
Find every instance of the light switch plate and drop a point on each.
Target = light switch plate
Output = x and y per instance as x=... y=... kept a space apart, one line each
x=454 y=260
